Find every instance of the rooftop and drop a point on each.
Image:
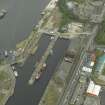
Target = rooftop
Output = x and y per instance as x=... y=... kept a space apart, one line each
x=93 y=89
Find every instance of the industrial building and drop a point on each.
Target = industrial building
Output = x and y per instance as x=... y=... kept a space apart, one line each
x=93 y=89
x=86 y=69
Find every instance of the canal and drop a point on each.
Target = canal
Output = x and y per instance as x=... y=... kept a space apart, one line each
x=30 y=95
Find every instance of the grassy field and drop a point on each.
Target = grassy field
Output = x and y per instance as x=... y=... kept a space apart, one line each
x=78 y=1
x=66 y=15
x=100 y=38
x=103 y=72
x=51 y=95
x=5 y=82
x=3 y=76
x=1 y=97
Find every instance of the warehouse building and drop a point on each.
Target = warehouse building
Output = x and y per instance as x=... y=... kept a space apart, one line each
x=93 y=89
x=86 y=69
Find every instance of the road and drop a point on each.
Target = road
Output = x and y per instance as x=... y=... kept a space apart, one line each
x=31 y=95
x=18 y=22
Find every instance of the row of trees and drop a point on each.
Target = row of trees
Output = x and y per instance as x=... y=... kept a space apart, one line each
x=100 y=38
x=67 y=16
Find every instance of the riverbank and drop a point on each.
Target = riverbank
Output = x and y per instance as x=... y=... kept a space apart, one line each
x=3 y=99
x=7 y=83
x=19 y=21
x=29 y=45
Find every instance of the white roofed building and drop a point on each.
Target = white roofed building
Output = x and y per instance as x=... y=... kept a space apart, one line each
x=86 y=69
x=93 y=89
x=91 y=63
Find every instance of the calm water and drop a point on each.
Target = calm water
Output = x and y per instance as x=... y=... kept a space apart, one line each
x=16 y=25
x=18 y=22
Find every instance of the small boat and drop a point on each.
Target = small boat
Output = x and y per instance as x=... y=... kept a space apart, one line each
x=44 y=65
x=13 y=67
x=52 y=37
x=2 y=13
x=6 y=53
x=16 y=73
x=38 y=75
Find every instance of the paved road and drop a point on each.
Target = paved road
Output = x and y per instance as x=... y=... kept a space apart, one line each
x=18 y=22
x=30 y=95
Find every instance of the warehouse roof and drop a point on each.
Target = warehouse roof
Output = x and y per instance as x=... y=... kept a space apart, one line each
x=93 y=89
x=86 y=69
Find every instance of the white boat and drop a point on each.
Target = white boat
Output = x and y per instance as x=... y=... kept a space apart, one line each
x=44 y=65
x=5 y=53
x=16 y=73
x=52 y=37
x=13 y=67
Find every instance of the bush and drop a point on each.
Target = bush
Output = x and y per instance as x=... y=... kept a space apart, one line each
x=100 y=38
x=67 y=16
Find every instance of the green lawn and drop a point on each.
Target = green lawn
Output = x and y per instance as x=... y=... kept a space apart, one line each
x=67 y=17
x=79 y=1
x=103 y=72
x=100 y=38
x=3 y=75
x=59 y=81
x=1 y=97
x=51 y=96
